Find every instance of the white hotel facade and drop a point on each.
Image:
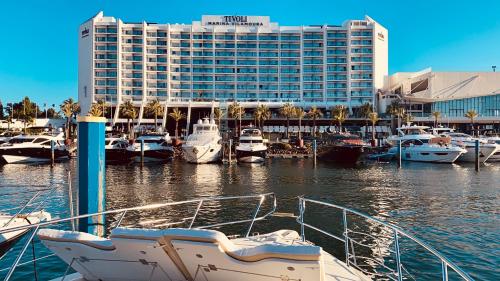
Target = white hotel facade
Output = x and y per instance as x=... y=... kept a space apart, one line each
x=222 y=59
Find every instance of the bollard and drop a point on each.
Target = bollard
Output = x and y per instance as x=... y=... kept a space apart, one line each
x=52 y=152
x=476 y=154
x=315 y=147
x=91 y=173
x=230 y=149
x=142 y=151
x=399 y=153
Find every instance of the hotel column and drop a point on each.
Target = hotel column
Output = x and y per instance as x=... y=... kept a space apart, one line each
x=91 y=173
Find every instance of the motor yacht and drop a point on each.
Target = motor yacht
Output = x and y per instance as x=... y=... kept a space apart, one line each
x=6 y=136
x=410 y=132
x=486 y=149
x=439 y=150
x=116 y=149
x=33 y=149
x=494 y=140
x=204 y=145
x=184 y=246
x=251 y=147
x=157 y=148
x=7 y=240
x=342 y=148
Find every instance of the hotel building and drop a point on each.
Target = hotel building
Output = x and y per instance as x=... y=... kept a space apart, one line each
x=222 y=59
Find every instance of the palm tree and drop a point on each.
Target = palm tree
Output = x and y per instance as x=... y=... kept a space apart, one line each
x=128 y=111
x=69 y=108
x=373 y=116
x=287 y=111
x=28 y=112
x=471 y=114
x=408 y=118
x=154 y=107
x=299 y=114
x=95 y=110
x=102 y=106
x=339 y=114
x=218 y=114
x=235 y=111
x=262 y=113
x=364 y=112
x=395 y=110
x=436 y=115
x=177 y=115
x=314 y=113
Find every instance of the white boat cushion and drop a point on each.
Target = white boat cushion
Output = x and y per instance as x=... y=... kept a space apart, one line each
x=75 y=237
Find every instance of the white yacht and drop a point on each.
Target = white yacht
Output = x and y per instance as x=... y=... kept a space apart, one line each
x=33 y=149
x=116 y=149
x=186 y=247
x=496 y=156
x=7 y=136
x=251 y=147
x=419 y=145
x=7 y=240
x=157 y=148
x=204 y=145
x=486 y=149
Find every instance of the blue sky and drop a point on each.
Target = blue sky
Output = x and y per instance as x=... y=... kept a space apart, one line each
x=38 y=50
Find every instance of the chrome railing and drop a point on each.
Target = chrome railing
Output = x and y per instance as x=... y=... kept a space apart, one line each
x=351 y=259
x=256 y=216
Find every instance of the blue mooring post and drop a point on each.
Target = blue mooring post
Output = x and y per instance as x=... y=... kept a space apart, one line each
x=52 y=151
x=91 y=173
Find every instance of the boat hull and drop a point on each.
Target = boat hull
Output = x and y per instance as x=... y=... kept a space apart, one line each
x=436 y=156
x=342 y=154
x=31 y=155
x=201 y=154
x=485 y=152
x=117 y=155
x=253 y=156
x=162 y=155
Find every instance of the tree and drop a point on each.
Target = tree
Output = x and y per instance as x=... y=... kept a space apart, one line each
x=69 y=108
x=314 y=113
x=339 y=114
x=299 y=113
x=154 y=107
x=262 y=113
x=177 y=115
x=95 y=110
x=102 y=106
x=471 y=114
x=218 y=114
x=436 y=115
x=1 y=111
x=373 y=116
x=397 y=110
x=287 y=111
x=28 y=113
x=364 y=112
x=407 y=118
x=128 y=111
x=236 y=112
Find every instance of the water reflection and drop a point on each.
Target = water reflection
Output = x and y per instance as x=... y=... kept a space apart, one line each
x=452 y=207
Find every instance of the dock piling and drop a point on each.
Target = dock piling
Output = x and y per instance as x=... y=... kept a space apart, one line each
x=142 y=152
x=52 y=152
x=230 y=150
x=91 y=173
x=399 y=153
x=315 y=148
x=476 y=154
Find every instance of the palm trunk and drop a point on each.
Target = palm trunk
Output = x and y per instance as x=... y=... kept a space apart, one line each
x=340 y=127
x=128 y=128
x=235 y=127
x=287 y=127
x=373 y=132
x=239 y=128
x=156 y=122
x=314 y=127
x=300 y=128
x=176 y=129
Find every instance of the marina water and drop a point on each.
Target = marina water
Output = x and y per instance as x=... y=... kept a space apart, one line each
x=453 y=208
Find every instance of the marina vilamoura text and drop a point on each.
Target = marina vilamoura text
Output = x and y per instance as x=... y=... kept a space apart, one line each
x=234 y=147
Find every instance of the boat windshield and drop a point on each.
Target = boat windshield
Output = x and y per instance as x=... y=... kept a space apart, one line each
x=251 y=141
x=206 y=128
x=251 y=132
x=20 y=140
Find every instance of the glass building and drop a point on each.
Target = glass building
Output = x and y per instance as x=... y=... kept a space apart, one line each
x=222 y=59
